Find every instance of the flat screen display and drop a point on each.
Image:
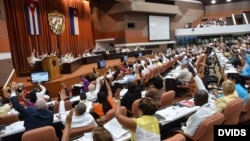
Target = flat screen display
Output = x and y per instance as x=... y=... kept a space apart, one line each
x=101 y=64
x=159 y=28
x=39 y=77
x=138 y=54
x=124 y=58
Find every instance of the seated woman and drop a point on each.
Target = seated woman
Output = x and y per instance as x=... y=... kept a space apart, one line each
x=229 y=95
x=146 y=127
x=133 y=93
x=104 y=102
x=31 y=99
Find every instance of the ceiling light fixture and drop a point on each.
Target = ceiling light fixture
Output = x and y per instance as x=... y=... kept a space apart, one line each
x=228 y=0
x=213 y=1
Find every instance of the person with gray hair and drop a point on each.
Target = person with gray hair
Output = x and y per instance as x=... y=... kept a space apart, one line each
x=93 y=90
x=80 y=117
x=34 y=117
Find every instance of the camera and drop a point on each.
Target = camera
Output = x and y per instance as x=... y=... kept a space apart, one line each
x=19 y=90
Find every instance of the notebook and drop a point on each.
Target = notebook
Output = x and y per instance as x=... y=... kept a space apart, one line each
x=115 y=128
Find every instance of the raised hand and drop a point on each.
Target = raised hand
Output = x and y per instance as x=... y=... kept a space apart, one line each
x=191 y=69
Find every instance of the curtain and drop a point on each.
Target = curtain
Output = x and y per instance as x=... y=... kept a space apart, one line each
x=22 y=44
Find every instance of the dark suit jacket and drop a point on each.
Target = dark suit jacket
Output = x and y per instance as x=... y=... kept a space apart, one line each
x=33 y=118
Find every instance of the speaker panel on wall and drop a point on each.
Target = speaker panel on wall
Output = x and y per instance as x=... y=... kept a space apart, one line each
x=131 y=25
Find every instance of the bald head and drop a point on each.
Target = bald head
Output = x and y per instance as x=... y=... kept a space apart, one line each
x=200 y=98
x=40 y=103
x=91 y=87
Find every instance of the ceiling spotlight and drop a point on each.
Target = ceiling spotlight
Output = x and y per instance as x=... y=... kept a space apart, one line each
x=228 y=0
x=213 y=1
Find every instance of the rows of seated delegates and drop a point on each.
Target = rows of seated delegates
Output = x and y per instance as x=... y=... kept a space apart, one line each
x=140 y=80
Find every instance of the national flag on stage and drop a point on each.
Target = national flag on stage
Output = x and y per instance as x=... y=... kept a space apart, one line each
x=73 y=16
x=33 y=17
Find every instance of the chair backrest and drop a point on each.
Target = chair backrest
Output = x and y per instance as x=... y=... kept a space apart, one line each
x=135 y=107
x=176 y=137
x=46 y=133
x=232 y=111
x=245 y=113
x=67 y=103
x=8 y=119
x=79 y=131
x=167 y=98
x=111 y=113
x=205 y=130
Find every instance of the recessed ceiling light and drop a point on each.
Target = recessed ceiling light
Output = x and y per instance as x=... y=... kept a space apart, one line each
x=228 y=0
x=213 y=1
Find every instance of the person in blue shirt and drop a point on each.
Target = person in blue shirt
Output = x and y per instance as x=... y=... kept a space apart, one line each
x=246 y=68
x=235 y=60
x=239 y=86
x=34 y=117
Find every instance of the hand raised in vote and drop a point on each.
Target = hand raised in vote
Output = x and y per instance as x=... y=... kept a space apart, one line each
x=117 y=94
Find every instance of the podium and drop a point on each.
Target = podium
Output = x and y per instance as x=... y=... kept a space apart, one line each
x=51 y=64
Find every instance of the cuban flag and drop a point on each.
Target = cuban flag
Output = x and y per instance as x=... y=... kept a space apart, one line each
x=33 y=17
x=73 y=16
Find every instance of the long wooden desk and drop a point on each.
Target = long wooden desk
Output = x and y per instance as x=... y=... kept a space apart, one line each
x=92 y=59
x=68 y=68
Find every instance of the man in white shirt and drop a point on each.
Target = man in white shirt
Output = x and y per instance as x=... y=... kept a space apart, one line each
x=80 y=118
x=41 y=93
x=184 y=75
x=206 y=109
x=93 y=90
x=83 y=99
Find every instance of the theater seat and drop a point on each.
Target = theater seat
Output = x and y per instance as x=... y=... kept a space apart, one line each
x=8 y=119
x=167 y=98
x=176 y=137
x=68 y=106
x=245 y=113
x=46 y=133
x=232 y=111
x=111 y=113
x=135 y=111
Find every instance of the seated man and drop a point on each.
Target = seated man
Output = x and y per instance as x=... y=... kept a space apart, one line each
x=183 y=77
x=83 y=99
x=40 y=91
x=93 y=90
x=33 y=117
x=206 y=109
x=80 y=118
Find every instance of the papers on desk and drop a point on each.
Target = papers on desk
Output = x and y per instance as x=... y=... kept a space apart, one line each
x=17 y=125
x=115 y=128
x=159 y=117
x=174 y=112
x=166 y=114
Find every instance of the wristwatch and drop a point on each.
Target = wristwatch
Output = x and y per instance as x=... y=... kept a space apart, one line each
x=117 y=100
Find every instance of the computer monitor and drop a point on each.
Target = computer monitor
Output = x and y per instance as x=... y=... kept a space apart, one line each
x=101 y=64
x=42 y=76
x=138 y=55
x=124 y=58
